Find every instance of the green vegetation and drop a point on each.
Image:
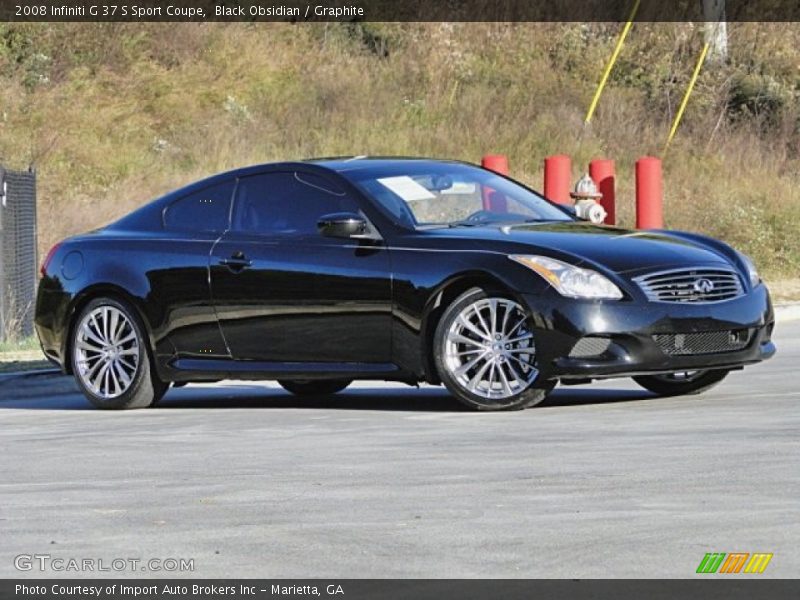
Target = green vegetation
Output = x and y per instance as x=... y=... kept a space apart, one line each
x=24 y=345
x=22 y=355
x=114 y=114
x=28 y=344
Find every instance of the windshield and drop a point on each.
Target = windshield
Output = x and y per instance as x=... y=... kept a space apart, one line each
x=431 y=194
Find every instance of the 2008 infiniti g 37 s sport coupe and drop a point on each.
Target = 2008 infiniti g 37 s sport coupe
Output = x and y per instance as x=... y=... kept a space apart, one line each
x=319 y=273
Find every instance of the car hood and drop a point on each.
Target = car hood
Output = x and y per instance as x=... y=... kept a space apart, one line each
x=617 y=249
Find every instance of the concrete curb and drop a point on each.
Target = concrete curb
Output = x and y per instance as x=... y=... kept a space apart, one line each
x=787 y=311
x=41 y=383
x=33 y=373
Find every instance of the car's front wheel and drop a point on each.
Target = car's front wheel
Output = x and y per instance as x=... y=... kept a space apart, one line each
x=310 y=387
x=485 y=353
x=682 y=383
x=110 y=358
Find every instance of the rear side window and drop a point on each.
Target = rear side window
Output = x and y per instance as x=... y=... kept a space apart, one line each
x=287 y=203
x=204 y=210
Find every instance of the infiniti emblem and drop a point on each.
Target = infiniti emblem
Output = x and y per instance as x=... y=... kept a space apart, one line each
x=703 y=286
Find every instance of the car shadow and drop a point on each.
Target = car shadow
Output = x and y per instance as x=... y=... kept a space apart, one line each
x=410 y=399
x=248 y=396
x=573 y=396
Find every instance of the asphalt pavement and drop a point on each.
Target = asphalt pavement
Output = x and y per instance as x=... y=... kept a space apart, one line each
x=385 y=480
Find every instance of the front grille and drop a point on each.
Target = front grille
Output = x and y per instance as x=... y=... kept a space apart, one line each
x=691 y=285
x=707 y=342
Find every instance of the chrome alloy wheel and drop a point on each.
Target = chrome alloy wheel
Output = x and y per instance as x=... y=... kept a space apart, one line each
x=106 y=352
x=489 y=349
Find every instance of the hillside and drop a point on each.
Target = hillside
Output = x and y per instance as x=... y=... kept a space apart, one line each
x=114 y=114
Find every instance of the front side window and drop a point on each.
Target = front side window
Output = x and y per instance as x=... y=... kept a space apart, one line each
x=287 y=203
x=206 y=210
x=430 y=194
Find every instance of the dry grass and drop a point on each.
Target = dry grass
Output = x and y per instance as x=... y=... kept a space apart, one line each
x=784 y=290
x=114 y=114
x=14 y=317
x=22 y=354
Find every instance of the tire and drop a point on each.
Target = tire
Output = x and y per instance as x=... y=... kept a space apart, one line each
x=159 y=397
x=546 y=387
x=311 y=387
x=680 y=384
x=485 y=354
x=111 y=358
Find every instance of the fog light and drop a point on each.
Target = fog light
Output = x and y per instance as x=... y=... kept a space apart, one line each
x=590 y=346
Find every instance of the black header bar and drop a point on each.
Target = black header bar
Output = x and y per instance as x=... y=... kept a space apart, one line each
x=395 y=10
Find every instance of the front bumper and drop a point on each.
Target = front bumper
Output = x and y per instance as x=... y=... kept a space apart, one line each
x=627 y=330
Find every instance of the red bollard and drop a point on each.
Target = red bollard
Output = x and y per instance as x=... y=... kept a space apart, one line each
x=496 y=162
x=491 y=199
x=649 y=193
x=602 y=171
x=557 y=176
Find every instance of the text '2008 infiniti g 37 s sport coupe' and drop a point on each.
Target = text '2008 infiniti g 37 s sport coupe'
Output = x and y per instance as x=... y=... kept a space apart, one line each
x=319 y=273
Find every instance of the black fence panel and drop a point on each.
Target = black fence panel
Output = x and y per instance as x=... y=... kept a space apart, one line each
x=18 y=257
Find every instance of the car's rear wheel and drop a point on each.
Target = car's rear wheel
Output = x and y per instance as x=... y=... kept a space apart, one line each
x=311 y=387
x=485 y=353
x=681 y=383
x=110 y=357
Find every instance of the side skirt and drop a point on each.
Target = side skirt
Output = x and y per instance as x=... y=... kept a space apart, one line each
x=199 y=369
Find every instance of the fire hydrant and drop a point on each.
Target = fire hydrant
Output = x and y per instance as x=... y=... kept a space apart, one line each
x=586 y=199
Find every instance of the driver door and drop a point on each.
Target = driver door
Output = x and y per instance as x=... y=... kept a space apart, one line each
x=284 y=293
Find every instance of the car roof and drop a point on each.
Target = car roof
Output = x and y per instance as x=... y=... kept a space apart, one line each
x=148 y=216
x=354 y=163
x=337 y=163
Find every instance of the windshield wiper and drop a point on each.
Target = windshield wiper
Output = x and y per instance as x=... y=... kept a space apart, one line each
x=466 y=223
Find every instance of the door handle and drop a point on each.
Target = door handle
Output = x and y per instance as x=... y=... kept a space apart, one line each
x=237 y=262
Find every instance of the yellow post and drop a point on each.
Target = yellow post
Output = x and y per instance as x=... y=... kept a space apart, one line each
x=611 y=62
x=688 y=93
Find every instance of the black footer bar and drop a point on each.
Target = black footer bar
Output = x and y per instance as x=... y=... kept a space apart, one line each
x=705 y=587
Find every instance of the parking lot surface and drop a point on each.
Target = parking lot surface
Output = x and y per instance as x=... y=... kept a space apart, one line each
x=385 y=480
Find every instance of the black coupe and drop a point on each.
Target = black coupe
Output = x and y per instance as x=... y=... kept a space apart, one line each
x=319 y=273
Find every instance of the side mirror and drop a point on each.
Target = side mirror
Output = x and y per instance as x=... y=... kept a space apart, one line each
x=346 y=225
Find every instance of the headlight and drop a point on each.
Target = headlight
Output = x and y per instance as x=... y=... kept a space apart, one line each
x=752 y=272
x=570 y=280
